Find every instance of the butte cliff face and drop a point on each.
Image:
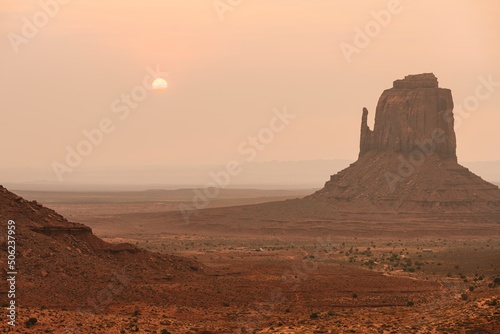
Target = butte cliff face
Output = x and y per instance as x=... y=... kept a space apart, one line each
x=409 y=115
x=408 y=162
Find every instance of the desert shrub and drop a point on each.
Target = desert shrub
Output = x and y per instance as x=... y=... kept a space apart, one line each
x=471 y=288
x=465 y=296
x=314 y=316
x=410 y=303
x=30 y=322
x=492 y=302
x=354 y=295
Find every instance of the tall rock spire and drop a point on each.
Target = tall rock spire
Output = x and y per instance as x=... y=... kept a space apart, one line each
x=365 y=143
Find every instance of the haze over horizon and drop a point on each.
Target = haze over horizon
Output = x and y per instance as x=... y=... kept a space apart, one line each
x=255 y=175
x=228 y=78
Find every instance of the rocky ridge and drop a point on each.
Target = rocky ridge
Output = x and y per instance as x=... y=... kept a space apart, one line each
x=63 y=264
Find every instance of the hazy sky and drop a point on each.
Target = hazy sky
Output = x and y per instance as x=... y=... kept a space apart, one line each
x=226 y=76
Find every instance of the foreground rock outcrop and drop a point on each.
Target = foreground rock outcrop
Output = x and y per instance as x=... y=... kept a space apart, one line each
x=63 y=264
x=408 y=162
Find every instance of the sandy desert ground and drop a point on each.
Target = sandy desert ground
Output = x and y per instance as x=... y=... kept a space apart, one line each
x=342 y=277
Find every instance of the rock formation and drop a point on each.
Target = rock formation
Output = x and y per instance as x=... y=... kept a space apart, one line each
x=63 y=264
x=409 y=116
x=408 y=162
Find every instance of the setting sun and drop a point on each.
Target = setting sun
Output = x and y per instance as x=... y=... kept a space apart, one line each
x=159 y=85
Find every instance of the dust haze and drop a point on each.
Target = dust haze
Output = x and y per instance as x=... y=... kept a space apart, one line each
x=222 y=166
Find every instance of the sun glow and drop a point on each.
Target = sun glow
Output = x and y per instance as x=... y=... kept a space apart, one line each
x=159 y=85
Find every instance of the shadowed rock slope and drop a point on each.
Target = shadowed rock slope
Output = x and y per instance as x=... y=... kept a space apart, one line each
x=63 y=264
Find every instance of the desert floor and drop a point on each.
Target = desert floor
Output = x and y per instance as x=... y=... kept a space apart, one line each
x=327 y=280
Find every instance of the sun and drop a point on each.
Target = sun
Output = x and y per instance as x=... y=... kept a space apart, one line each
x=159 y=85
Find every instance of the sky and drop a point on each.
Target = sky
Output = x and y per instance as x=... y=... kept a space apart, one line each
x=234 y=68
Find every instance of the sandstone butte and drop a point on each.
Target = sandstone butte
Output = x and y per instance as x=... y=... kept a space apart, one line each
x=408 y=161
x=406 y=173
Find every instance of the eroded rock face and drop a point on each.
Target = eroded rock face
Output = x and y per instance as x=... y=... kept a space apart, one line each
x=408 y=162
x=413 y=115
x=425 y=80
